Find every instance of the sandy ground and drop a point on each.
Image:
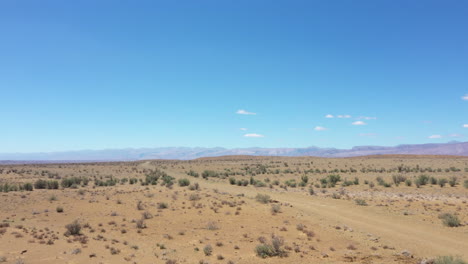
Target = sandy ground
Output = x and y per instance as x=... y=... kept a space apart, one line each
x=400 y=224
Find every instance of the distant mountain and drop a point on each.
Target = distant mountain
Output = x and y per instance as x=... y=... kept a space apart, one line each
x=185 y=153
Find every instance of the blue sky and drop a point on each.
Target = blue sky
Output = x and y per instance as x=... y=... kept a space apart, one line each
x=116 y=74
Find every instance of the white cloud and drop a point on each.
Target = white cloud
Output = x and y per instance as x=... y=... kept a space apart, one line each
x=465 y=97
x=243 y=129
x=456 y=135
x=434 y=136
x=329 y=116
x=465 y=125
x=253 y=135
x=368 y=134
x=367 y=118
x=243 y=112
x=343 y=116
x=319 y=128
x=359 y=123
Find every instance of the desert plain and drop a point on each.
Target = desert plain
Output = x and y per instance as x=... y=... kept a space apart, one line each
x=236 y=209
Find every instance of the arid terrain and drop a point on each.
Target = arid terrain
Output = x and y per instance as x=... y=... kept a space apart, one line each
x=236 y=209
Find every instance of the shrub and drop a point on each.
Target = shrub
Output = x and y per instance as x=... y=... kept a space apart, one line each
x=275 y=208
x=73 y=229
x=274 y=248
x=184 y=182
x=442 y=182
x=449 y=260
x=311 y=191
x=208 y=250
x=59 y=209
x=163 y=205
x=465 y=183
x=453 y=181
x=361 y=202
x=422 y=180
x=262 y=198
x=140 y=224
x=28 y=186
x=232 y=181
x=408 y=182
x=450 y=220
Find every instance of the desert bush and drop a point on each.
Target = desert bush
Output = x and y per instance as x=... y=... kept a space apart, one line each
x=442 y=182
x=59 y=209
x=275 y=208
x=397 y=179
x=140 y=206
x=147 y=215
x=361 y=202
x=311 y=191
x=184 y=182
x=465 y=183
x=449 y=260
x=453 y=181
x=140 y=224
x=408 y=182
x=73 y=229
x=262 y=198
x=449 y=220
x=212 y=226
x=209 y=173
x=274 y=248
x=208 y=250
x=28 y=186
x=232 y=181
x=421 y=180
x=162 y=206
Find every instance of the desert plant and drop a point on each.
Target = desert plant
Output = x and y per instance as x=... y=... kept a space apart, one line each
x=262 y=198
x=184 y=182
x=442 y=182
x=59 y=209
x=449 y=260
x=274 y=248
x=361 y=202
x=73 y=229
x=208 y=250
x=449 y=220
x=275 y=208
x=453 y=181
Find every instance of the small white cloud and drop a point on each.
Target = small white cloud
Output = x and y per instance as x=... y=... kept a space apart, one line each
x=367 y=118
x=456 y=135
x=358 y=123
x=329 y=116
x=319 y=128
x=368 y=134
x=434 y=136
x=243 y=129
x=465 y=97
x=465 y=125
x=343 y=116
x=243 y=112
x=253 y=135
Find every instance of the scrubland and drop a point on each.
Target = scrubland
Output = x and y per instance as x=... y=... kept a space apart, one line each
x=237 y=209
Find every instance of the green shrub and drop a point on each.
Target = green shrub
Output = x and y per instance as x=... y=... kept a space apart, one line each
x=208 y=250
x=59 y=209
x=232 y=181
x=361 y=202
x=28 y=186
x=450 y=220
x=184 y=182
x=442 y=182
x=465 y=183
x=408 y=182
x=262 y=198
x=453 y=181
x=274 y=248
x=449 y=260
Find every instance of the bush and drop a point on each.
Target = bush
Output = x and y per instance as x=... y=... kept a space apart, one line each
x=184 y=182
x=453 y=181
x=422 y=180
x=262 y=198
x=208 y=250
x=450 y=220
x=28 y=186
x=73 y=229
x=232 y=181
x=274 y=248
x=449 y=260
x=408 y=182
x=59 y=209
x=361 y=202
x=275 y=208
x=442 y=182
x=465 y=183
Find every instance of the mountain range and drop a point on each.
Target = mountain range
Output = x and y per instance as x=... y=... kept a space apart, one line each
x=186 y=153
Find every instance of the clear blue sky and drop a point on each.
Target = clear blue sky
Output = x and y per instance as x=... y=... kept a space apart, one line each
x=115 y=74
